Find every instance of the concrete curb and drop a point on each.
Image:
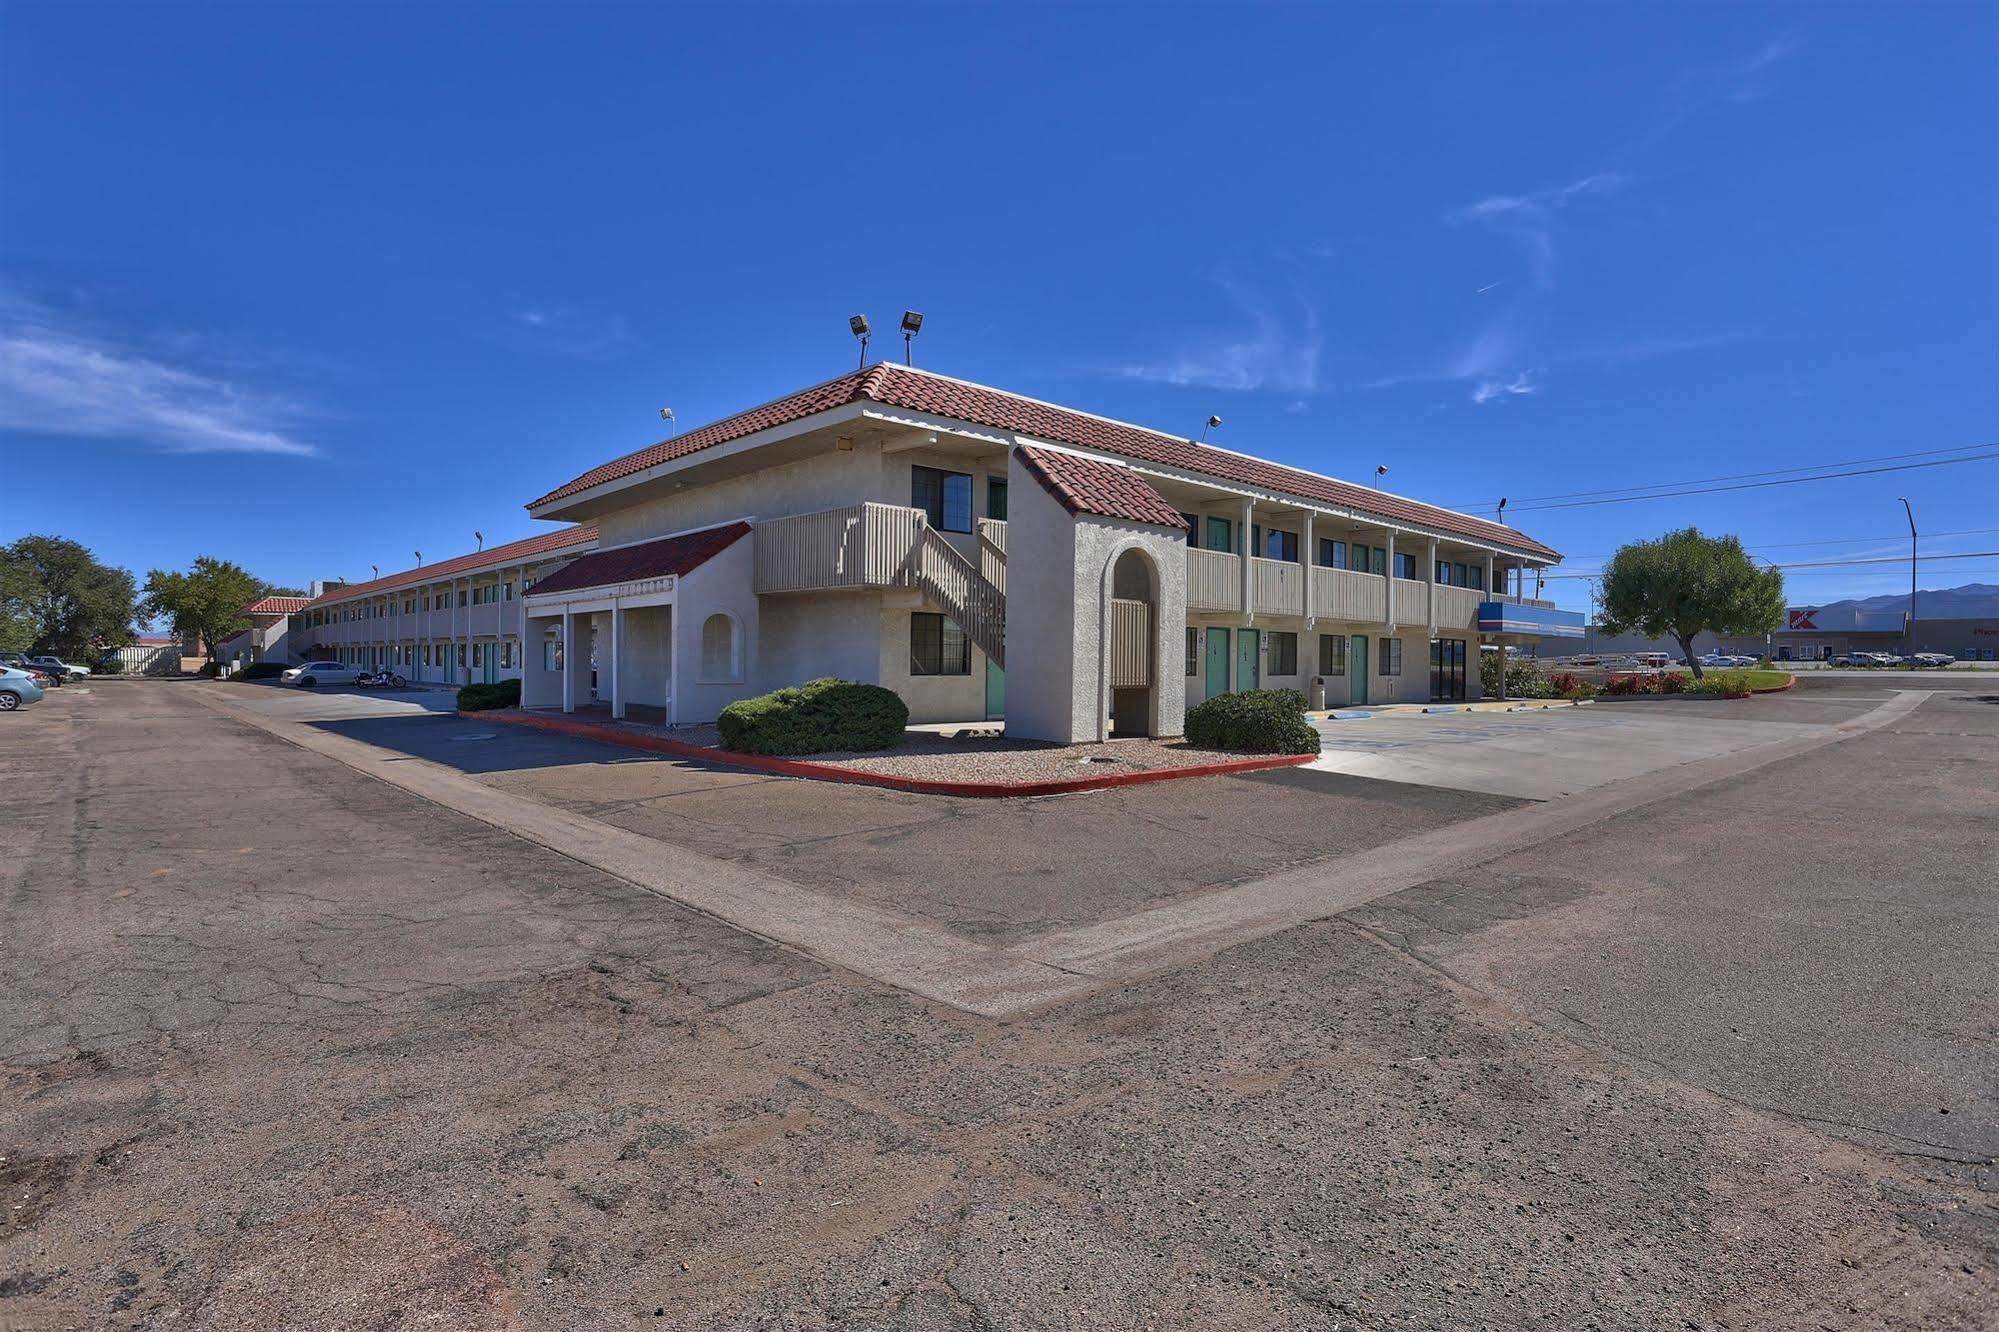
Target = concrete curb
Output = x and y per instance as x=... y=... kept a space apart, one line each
x=826 y=772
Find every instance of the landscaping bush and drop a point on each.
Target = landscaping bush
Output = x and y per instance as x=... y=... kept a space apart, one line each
x=261 y=670
x=817 y=717
x=1256 y=721
x=210 y=669
x=1523 y=676
x=482 y=697
x=1567 y=684
x=110 y=666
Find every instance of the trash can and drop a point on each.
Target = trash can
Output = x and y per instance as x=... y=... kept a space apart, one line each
x=1318 y=694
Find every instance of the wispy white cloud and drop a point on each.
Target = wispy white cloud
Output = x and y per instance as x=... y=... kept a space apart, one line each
x=1529 y=219
x=60 y=381
x=1275 y=352
x=567 y=332
x=1520 y=385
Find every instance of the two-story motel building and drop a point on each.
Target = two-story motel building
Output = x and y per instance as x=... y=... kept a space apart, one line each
x=981 y=553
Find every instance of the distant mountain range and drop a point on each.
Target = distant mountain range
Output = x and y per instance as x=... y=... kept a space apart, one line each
x=1970 y=602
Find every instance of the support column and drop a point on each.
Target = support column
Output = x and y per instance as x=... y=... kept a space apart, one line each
x=1430 y=581
x=1306 y=553
x=617 y=679
x=1389 y=572
x=1491 y=588
x=1248 y=573
x=568 y=660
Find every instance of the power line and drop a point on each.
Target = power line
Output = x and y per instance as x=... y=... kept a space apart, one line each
x=1758 y=485
x=1734 y=476
x=1928 y=561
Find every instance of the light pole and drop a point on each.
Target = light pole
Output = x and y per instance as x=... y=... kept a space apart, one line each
x=1913 y=647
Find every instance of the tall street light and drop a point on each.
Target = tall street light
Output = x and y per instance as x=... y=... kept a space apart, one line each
x=1913 y=645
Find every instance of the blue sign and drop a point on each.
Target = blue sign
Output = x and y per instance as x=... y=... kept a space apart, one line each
x=1504 y=617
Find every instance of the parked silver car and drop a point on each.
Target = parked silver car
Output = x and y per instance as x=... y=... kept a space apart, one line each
x=17 y=689
x=314 y=673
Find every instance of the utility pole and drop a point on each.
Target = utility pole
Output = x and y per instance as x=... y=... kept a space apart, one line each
x=1913 y=647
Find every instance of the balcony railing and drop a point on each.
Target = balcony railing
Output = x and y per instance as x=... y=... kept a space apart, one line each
x=861 y=545
x=1214 y=583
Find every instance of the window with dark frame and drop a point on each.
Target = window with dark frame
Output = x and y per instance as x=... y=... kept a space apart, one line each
x=1193 y=650
x=1405 y=565
x=1280 y=546
x=1332 y=654
x=1391 y=656
x=1193 y=529
x=996 y=498
x=937 y=646
x=945 y=496
x=1283 y=652
x=1220 y=535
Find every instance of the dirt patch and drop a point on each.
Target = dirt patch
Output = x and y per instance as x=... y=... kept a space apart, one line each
x=357 y=1263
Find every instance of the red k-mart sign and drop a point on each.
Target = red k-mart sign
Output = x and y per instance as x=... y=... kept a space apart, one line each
x=1802 y=618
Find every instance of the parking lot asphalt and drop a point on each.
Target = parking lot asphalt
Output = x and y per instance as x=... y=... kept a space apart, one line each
x=296 y=1049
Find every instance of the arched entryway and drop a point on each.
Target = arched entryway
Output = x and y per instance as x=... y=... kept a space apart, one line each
x=1131 y=664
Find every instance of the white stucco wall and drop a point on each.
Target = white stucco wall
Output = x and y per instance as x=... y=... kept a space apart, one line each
x=726 y=583
x=805 y=636
x=1058 y=579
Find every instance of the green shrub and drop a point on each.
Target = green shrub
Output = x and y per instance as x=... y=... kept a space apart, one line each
x=1256 y=721
x=210 y=669
x=481 y=697
x=261 y=670
x=110 y=666
x=1523 y=677
x=817 y=717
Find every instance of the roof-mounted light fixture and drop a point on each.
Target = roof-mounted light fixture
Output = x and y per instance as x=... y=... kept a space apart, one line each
x=1213 y=421
x=1502 y=511
x=1380 y=472
x=666 y=415
x=858 y=325
x=419 y=558
x=480 y=537
x=912 y=324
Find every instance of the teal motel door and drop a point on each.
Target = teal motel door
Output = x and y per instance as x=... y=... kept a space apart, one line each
x=1357 y=668
x=1218 y=663
x=1248 y=658
x=995 y=691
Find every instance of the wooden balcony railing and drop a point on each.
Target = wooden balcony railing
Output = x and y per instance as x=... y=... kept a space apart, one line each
x=1214 y=581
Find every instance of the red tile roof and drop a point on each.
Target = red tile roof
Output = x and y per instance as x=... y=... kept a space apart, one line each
x=545 y=544
x=935 y=395
x=1087 y=485
x=649 y=559
x=277 y=605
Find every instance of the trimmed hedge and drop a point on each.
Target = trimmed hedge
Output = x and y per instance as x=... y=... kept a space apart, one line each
x=261 y=670
x=1256 y=721
x=482 y=697
x=110 y=666
x=817 y=717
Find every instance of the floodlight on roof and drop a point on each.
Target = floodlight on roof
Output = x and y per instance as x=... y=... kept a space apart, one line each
x=912 y=324
x=859 y=325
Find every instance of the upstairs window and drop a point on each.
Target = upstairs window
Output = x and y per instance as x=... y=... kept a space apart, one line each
x=1332 y=554
x=1219 y=536
x=945 y=496
x=1405 y=565
x=996 y=499
x=1280 y=546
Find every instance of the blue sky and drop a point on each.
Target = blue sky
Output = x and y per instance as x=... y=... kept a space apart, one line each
x=312 y=287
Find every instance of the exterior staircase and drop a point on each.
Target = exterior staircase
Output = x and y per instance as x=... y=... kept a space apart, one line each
x=952 y=582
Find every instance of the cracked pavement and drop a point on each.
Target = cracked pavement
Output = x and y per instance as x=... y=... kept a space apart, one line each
x=285 y=1047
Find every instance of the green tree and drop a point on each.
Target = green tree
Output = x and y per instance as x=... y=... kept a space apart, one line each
x=20 y=592
x=1684 y=583
x=206 y=601
x=77 y=605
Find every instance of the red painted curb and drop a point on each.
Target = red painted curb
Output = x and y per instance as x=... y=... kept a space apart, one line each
x=825 y=772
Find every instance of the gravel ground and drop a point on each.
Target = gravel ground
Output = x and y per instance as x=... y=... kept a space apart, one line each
x=933 y=757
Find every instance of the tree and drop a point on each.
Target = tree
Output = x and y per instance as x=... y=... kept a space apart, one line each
x=76 y=604
x=20 y=592
x=206 y=601
x=1685 y=583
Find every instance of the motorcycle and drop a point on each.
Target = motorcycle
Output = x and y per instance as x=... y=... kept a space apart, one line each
x=380 y=680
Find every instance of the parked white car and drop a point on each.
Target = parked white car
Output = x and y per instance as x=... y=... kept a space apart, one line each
x=1932 y=659
x=1655 y=660
x=57 y=666
x=314 y=673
